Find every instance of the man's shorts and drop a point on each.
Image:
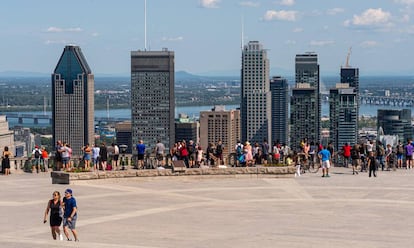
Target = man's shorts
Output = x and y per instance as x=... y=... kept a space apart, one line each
x=326 y=164
x=140 y=156
x=70 y=224
x=408 y=157
x=355 y=162
x=65 y=160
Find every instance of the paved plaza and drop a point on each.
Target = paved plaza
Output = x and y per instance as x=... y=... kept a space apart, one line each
x=247 y=211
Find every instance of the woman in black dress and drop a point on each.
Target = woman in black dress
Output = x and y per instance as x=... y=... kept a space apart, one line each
x=55 y=207
x=5 y=162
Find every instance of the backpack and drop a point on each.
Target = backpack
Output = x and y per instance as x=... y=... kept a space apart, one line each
x=400 y=149
x=354 y=153
x=381 y=151
x=191 y=149
x=37 y=153
x=239 y=150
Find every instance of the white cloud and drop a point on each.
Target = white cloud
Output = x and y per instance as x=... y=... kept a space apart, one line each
x=322 y=42
x=371 y=17
x=335 y=11
x=290 y=42
x=51 y=42
x=60 y=30
x=405 y=18
x=249 y=4
x=283 y=15
x=209 y=4
x=369 y=43
x=297 y=30
x=287 y=2
x=95 y=34
x=179 y=38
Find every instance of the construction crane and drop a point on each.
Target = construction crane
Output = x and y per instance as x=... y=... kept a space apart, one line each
x=347 y=58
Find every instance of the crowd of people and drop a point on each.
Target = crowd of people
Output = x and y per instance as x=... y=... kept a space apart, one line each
x=363 y=157
x=194 y=156
x=367 y=156
x=94 y=157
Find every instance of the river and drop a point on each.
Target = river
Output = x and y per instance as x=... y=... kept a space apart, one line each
x=194 y=111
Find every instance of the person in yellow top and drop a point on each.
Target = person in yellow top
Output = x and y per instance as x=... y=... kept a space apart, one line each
x=5 y=161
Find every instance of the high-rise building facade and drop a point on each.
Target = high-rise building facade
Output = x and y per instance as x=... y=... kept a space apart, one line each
x=73 y=100
x=350 y=76
x=152 y=97
x=186 y=129
x=343 y=116
x=255 y=94
x=395 y=122
x=123 y=135
x=306 y=101
x=279 y=89
x=220 y=124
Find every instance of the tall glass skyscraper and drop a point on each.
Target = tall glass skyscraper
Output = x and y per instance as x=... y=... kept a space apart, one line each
x=306 y=101
x=350 y=76
x=343 y=116
x=73 y=100
x=255 y=94
x=279 y=89
x=152 y=97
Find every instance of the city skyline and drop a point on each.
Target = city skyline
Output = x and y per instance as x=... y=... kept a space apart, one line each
x=379 y=33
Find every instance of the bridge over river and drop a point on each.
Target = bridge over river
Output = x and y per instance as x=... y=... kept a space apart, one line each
x=47 y=118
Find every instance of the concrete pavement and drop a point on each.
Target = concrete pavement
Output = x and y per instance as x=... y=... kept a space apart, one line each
x=308 y=211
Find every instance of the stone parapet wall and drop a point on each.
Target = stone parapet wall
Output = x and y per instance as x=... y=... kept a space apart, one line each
x=275 y=172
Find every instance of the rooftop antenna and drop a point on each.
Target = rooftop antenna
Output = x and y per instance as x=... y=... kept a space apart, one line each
x=44 y=105
x=348 y=57
x=107 y=107
x=145 y=24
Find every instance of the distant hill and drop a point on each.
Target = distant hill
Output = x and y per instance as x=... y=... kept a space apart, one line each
x=23 y=74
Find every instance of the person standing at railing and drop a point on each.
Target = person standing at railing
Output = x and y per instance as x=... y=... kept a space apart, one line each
x=87 y=152
x=95 y=157
x=36 y=155
x=5 y=162
x=103 y=155
x=44 y=159
x=140 y=153
x=65 y=152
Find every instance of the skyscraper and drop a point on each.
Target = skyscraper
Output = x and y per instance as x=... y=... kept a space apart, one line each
x=306 y=100
x=255 y=94
x=73 y=100
x=395 y=122
x=279 y=89
x=343 y=116
x=220 y=124
x=152 y=97
x=350 y=76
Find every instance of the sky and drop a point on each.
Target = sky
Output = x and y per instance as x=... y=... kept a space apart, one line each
x=206 y=35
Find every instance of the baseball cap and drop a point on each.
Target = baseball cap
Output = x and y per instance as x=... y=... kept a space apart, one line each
x=68 y=191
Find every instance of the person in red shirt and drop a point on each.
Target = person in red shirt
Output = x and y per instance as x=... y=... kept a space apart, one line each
x=346 y=151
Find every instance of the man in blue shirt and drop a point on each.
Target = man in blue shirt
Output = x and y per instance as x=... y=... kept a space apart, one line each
x=325 y=156
x=141 y=152
x=70 y=214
